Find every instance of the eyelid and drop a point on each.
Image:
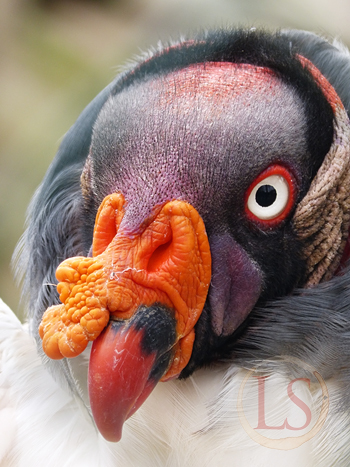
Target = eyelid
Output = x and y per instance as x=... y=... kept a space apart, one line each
x=273 y=221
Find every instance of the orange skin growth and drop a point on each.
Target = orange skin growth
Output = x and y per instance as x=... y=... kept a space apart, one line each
x=168 y=262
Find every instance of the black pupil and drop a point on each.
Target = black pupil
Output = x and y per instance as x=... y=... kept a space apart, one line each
x=266 y=195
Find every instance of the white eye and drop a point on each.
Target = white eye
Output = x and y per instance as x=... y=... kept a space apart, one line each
x=269 y=198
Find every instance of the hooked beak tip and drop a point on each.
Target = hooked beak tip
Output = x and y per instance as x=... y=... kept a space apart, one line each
x=127 y=361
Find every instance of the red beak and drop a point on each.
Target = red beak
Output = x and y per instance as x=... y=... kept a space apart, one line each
x=127 y=361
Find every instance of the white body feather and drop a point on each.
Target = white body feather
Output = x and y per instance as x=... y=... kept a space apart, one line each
x=183 y=423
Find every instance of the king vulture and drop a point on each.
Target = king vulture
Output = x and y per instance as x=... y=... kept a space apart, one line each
x=190 y=241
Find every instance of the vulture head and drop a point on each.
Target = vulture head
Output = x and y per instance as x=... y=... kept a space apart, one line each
x=203 y=184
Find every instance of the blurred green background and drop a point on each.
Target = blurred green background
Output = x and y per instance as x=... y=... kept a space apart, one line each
x=55 y=56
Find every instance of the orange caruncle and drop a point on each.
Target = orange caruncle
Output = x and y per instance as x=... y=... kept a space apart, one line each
x=168 y=262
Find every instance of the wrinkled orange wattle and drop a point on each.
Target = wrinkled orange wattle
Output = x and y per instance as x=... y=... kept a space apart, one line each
x=168 y=261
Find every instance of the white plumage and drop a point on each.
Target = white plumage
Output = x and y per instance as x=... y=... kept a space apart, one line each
x=183 y=423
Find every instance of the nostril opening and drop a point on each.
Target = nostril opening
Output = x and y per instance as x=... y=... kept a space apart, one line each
x=159 y=256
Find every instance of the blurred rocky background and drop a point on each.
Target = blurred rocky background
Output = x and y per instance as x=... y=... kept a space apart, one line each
x=55 y=56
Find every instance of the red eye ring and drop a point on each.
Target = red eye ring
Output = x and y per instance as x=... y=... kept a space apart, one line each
x=283 y=184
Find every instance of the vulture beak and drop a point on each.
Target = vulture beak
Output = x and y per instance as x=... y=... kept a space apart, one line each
x=138 y=298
